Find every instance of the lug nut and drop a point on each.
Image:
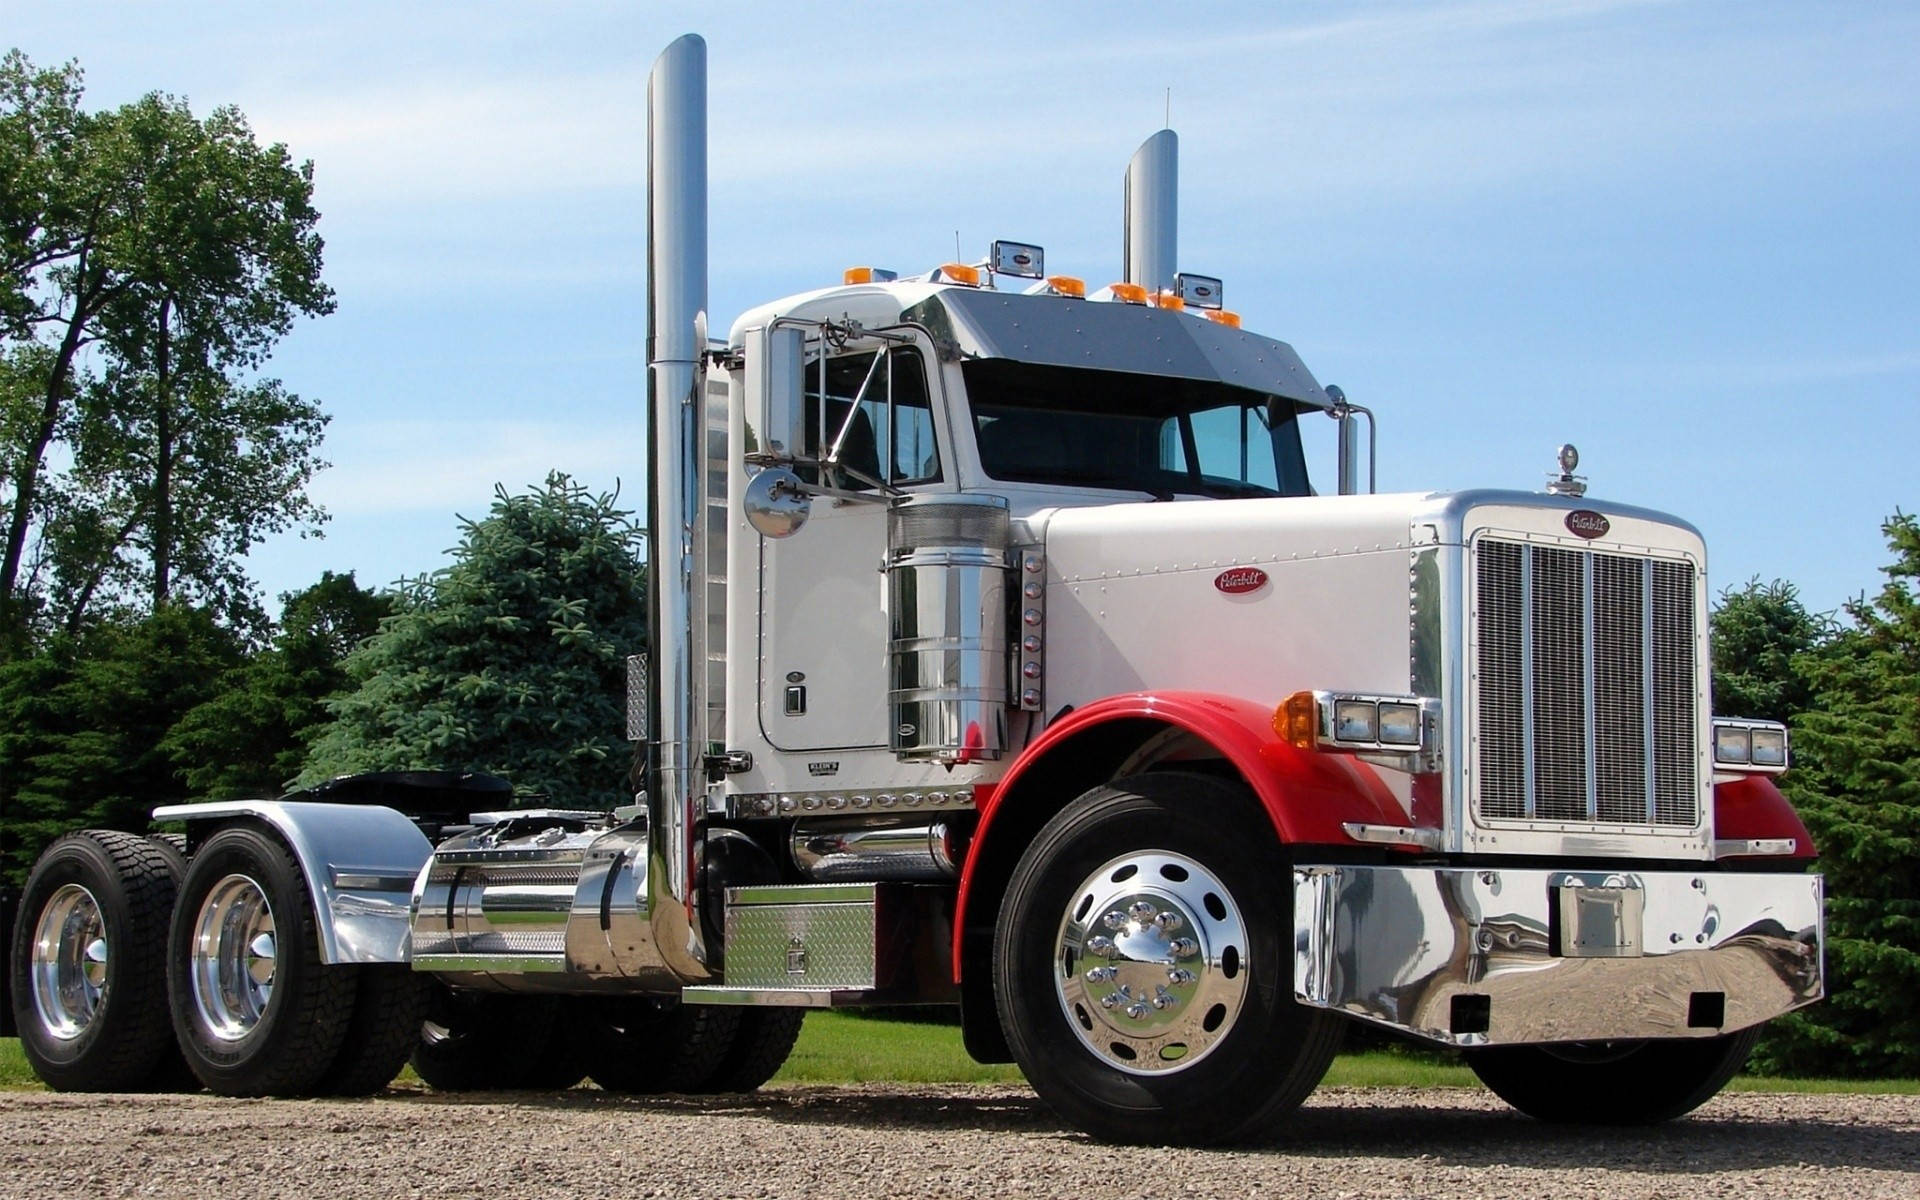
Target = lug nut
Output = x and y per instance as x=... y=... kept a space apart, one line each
x=1179 y=976
x=1141 y=911
x=1110 y=1000
x=1168 y=920
x=1183 y=947
x=1101 y=974
x=1163 y=999
x=1114 y=919
x=1101 y=945
x=1138 y=1010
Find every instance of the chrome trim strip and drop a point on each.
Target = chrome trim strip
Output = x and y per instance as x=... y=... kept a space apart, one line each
x=1393 y=835
x=1754 y=847
x=802 y=893
x=781 y=997
x=1526 y=682
x=519 y=964
x=1587 y=636
x=1647 y=689
x=850 y=802
x=372 y=882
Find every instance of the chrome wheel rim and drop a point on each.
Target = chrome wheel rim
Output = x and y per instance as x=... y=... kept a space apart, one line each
x=235 y=955
x=1150 y=967
x=70 y=967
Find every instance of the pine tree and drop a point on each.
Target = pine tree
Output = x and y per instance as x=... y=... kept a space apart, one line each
x=511 y=661
x=1856 y=783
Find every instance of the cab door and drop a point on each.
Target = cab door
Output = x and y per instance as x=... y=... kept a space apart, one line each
x=823 y=627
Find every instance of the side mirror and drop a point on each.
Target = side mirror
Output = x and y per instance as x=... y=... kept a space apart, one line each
x=1349 y=451
x=776 y=503
x=776 y=381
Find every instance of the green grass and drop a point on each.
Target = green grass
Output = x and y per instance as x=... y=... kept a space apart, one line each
x=843 y=1047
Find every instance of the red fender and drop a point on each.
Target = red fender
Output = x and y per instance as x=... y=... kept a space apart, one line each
x=1752 y=807
x=1307 y=795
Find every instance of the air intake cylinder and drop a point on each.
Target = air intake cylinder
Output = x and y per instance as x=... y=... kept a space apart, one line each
x=947 y=603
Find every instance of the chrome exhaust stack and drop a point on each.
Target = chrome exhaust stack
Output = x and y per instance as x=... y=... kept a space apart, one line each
x=1152 y=213
x=675 y=771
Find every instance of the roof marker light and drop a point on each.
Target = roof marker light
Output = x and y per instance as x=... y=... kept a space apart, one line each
x=1221 y=316
x=960 y=273
x=868 y=275
x=1067 y=285
x=1199 y=291
x=1169 y=300
x=1129 y=293
x=1017 y=258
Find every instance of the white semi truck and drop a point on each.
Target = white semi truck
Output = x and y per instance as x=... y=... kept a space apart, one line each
x=1005 y=655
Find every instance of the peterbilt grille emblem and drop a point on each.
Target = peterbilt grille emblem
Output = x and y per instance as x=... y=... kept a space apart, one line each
x=1584 y=522
x=1240 y=580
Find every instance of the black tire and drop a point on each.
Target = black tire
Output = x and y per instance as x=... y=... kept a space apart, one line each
x=760 y=1048
x=172 y=1074
x=1613 y=1083
x=253 y=1024
x=483 y=1041
x=99 y=1024
x=562 y=1061
x=389 y=1003
x=643 y=1046
x=1195 y=882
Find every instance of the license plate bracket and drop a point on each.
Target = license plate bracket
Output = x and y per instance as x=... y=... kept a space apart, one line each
x=1598 y=916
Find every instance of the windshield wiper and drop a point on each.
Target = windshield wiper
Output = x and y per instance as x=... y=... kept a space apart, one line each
x=1094 y=479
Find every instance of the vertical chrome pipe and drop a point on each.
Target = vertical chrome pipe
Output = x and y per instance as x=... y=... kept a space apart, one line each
x=1153 y=212
x=676 y=337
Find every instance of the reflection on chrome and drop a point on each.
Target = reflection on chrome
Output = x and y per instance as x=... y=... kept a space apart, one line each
x=1543 y=956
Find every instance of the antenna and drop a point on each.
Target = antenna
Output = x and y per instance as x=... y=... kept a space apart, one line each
x=956 y=245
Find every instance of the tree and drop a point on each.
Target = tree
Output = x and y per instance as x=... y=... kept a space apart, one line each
x=510 y=661
x=1856 y=783
x=1759 y=632
x=176 y=252
x=252 y=737
x=82 y=723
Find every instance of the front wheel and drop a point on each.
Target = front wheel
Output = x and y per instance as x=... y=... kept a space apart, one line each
x=1613 y=1083
x=1143 y=967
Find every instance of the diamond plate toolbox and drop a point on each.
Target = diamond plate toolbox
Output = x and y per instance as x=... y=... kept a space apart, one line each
x=804 y=936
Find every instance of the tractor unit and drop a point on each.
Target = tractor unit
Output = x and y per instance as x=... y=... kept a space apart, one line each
x=1006 y=656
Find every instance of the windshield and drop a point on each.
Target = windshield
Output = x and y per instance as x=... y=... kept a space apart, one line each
x=1146 y=433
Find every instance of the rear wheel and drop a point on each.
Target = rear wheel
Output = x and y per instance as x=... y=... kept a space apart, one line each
x=88 y=968
x=1143 y=967
x=389 y=1003
x=255 y=1010
x=648 y=1045
x=1613 y=1083
x=760 y=1048
x=490 y=1041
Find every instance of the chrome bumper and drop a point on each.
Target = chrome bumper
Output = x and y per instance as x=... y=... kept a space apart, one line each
x=1486 y=956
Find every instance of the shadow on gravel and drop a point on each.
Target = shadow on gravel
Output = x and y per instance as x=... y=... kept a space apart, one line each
x=1703 y=1144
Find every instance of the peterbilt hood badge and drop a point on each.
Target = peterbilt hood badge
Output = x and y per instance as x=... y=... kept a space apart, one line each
x=1586 y=523
x=1240 y=580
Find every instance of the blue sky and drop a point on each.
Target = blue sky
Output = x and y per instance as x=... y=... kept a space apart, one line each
x=1685 y=236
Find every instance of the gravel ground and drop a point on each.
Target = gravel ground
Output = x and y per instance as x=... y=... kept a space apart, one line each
x=955 y=1140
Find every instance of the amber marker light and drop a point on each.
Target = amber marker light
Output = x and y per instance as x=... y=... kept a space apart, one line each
x=1172 y=300
x=1067 y=285
x=1129 y=293
x=961 y=274
x=1221 y=316
x=858 y=275
x=1297 y=720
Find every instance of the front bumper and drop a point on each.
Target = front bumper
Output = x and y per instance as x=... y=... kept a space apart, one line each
x=1490 y=956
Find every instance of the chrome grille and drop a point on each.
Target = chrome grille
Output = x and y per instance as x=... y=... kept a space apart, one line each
x=1586 y=694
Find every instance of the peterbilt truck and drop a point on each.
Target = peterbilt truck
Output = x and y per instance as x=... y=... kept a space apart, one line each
x=1005 y=655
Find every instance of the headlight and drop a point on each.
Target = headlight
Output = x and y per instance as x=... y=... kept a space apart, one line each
x=1749 y=746
x=1400 y=726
